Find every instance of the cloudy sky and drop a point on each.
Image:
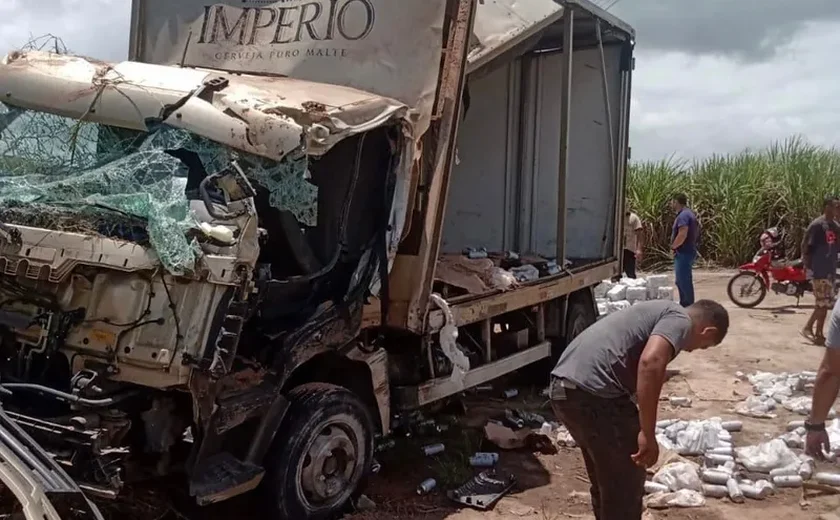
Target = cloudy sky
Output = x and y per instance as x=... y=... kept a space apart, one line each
x=712 y=76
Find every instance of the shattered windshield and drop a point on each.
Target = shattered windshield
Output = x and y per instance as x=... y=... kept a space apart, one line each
x=70 y=175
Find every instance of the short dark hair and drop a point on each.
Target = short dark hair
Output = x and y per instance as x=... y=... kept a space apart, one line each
x=714 y=314
x=681 y=198
x=829 y=200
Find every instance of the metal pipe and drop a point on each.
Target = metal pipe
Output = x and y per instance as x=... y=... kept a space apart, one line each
x=565 y=125
x=64 y=396
x=618 y=232
x=613 y=170
x=28 y=458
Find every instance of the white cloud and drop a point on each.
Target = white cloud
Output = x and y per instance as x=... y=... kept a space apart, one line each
x=692 y=104
x=98 y=28
x=711 y=77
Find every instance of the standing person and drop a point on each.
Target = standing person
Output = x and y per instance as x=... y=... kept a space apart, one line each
x=819 y=254
x=684 y=236
x=618 y=360
x=633 y=243
x=825 y=390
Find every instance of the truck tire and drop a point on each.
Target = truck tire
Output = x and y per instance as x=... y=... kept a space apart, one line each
x=321 y=454
x=579 y=317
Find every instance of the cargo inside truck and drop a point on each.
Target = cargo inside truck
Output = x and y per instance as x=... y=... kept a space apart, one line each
x=508 y=184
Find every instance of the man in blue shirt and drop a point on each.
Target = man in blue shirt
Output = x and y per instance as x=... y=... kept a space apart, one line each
x=684 y=237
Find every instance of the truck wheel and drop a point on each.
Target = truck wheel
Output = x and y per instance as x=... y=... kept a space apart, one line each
x=578 y=319
x=321 y=454
x=579 y=316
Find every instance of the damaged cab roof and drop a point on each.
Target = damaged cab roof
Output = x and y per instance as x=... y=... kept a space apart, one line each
x=266 y=116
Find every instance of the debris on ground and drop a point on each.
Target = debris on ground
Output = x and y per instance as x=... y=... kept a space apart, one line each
x=363 y=503
x=484 y=460
x=681 y=498
x=693 y=437
x=483 y=490
x=766 y=457
x=426 y=486
x=678 y=476
x=785 y=389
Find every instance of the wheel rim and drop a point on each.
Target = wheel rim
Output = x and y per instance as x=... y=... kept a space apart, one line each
x=326 y=472
x=746 y=289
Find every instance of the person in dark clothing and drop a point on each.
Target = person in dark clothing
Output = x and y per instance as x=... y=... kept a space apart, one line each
x=819 y=255
x=615 y=362
x=684 y=236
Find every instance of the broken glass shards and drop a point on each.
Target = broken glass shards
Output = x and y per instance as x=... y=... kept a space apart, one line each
x=69 y=175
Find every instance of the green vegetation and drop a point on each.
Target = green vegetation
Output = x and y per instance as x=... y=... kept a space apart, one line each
x=735 y=197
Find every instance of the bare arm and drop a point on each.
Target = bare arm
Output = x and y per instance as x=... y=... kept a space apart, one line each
x=827 y=385
x=650 y=378
x=806 y=247
x=682 y=233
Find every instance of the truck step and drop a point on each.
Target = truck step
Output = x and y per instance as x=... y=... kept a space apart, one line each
x=223 y=476
x=237 y=407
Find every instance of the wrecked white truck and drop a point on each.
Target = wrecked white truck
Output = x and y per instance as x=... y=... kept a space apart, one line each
x=240 y=254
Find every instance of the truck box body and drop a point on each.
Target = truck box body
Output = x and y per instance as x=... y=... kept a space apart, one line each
x=503 y=191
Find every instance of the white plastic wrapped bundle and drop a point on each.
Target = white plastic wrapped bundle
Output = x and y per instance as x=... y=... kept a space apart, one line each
x=617 y=306
x=602 y=308
x=634 y=282
x=681 y=498
x=603 y=288
x=654 y=282
x=618 y=292
x=665 y=293
x=636 y=294
x=679 y=475
x=766 y=457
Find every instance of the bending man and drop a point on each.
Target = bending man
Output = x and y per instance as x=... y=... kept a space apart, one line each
x=594 y=383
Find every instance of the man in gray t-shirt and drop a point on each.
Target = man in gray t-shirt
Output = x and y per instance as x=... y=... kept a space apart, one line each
x=619 y=360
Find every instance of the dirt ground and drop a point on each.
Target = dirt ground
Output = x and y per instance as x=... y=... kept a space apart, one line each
x=554 y=487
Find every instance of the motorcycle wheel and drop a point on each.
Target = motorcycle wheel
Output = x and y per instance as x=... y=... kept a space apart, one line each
x=746 y=290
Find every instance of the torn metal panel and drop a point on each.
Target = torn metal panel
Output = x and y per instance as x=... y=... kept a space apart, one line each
x=263 y=116
x=503 y=24
x=391 y=48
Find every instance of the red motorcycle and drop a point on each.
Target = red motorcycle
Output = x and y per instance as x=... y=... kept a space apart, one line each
x=768 y=271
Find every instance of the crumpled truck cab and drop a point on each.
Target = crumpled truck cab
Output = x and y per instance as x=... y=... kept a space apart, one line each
x=169 y=239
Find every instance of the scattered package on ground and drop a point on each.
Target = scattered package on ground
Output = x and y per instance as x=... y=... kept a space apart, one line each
x=678 y=476
x=785 y=389
x=614 y=296
x=681 y=498
x=767 y=456
x=693 y=437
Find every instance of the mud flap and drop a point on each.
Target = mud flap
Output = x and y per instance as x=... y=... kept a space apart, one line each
x=44 y=489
